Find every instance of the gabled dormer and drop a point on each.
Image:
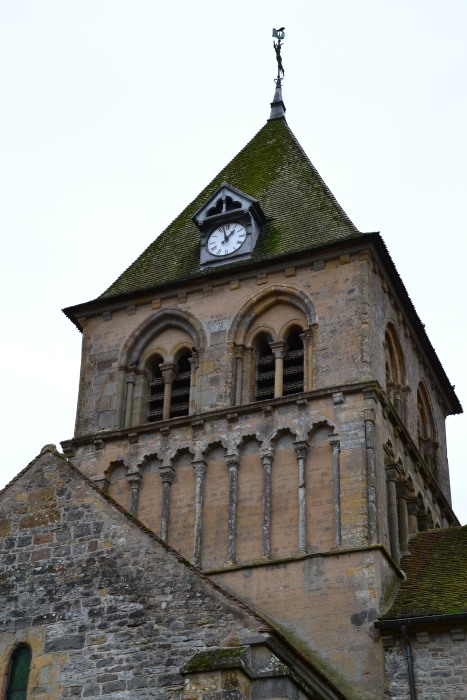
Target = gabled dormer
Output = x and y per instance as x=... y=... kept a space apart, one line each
x=229 y=222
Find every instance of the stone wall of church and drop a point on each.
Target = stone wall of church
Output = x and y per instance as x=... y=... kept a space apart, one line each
x=326 y=299
x=439 y=662
x=240 y=486
x=415 y=373
x=329 y=603
x=106 y=610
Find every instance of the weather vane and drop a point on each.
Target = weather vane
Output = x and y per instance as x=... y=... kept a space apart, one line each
x=278 y=34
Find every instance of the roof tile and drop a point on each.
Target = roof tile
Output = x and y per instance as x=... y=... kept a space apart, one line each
x=436 y=570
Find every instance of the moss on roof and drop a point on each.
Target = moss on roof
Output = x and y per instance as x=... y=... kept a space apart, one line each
x=272 y=168
x=436 y=570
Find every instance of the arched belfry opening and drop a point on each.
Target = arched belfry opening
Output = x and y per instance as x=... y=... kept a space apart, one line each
x=159 y=365
x=272 y=339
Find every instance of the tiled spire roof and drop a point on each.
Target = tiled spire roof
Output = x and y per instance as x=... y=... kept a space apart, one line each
x=272 y=168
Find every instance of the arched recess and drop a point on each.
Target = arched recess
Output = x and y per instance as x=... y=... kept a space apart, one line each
x=284 y=495
x=149 y=368
x=181 y=526
x=150 y=497
x=215 y=514
x=18 y=673
x=249 y=545
x=324 y=519
x=426 y=429
x=118 y=488
x=273 y=315
x=396 y=382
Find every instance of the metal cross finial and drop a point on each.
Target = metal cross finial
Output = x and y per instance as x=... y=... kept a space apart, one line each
x=278 y=34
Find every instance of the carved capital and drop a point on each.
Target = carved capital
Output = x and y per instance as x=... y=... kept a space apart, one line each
x=194 y=361
x=130 y=377
x=238 y=351
x=232 y=461
x=267 y=457
x=279 y=348
x=134 y=479
x=167 y=473
x=169 y=371
x=393 y=471
x=301 y=448
x=414 y=505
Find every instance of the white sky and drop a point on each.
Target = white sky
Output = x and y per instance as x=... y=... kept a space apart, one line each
x=115 y=114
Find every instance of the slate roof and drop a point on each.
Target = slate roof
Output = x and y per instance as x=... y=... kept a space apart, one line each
x=436 y=570
x=272 y=168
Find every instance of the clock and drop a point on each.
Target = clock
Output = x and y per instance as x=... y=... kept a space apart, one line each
x=226 y=239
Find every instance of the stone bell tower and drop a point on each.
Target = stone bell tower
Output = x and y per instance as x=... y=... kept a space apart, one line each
x=259 y=391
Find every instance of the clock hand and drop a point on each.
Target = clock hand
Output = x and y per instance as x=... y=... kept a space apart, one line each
x=229 y=234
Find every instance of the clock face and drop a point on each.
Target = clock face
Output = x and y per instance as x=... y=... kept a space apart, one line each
x=226 y=239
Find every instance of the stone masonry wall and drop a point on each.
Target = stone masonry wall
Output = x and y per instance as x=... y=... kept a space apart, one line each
x=107 y=610
x=440 y=665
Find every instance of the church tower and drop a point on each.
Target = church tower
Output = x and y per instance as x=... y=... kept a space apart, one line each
x=258 y=390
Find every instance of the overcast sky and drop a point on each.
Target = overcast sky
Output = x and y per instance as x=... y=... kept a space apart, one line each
x=115 y=114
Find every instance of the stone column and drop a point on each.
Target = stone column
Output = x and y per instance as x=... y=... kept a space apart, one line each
x=279 y=348
x=169 y=372
x=134 y=479
x=194 y=364
x=200 y=472
x=130 y=389
x=336 y=478
x=414 y=505
x=267 y=458
x=397 y=401
x=121 y=399
x=233 y=464
x=392 y=474
x=238 y=350
x=371 y=477
x=167 y=473
x=402 y=493
x=301 y=450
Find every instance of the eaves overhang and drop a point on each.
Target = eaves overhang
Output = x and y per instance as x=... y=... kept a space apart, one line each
x=417 y=621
